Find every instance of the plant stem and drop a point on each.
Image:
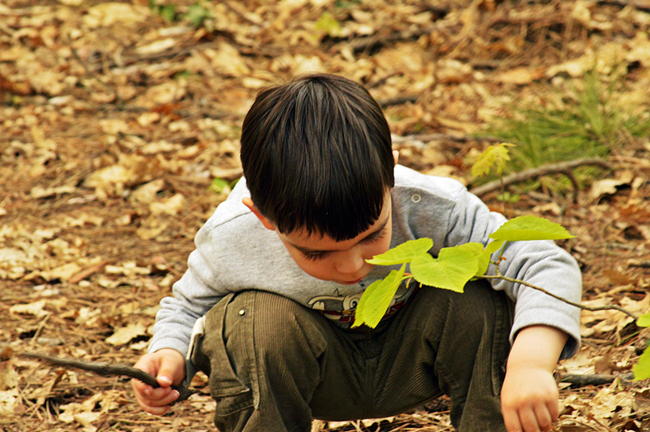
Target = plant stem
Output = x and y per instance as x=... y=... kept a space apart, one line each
x=578 y=305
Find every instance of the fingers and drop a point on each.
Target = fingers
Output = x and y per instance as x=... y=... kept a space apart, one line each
x=554 y=409
x=528 y=420
x=511 y=420
x=538 y=419
x=156 y=400
x=543 y=417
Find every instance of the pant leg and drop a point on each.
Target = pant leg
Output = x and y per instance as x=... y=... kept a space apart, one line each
x=266 y=356
x=451 y=343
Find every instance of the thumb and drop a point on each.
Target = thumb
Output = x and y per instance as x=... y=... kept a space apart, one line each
x=172 y=371
x=164 y=379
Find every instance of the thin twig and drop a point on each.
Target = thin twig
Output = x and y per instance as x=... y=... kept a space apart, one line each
x=559 y=168
x=103 y=369
x=578 y=305
x=106 y=369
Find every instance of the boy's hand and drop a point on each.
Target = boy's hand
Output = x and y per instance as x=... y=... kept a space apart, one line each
x=529 y=396
x=168 y=366
x=529 y=400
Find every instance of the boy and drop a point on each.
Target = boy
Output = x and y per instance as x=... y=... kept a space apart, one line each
x=280 y=266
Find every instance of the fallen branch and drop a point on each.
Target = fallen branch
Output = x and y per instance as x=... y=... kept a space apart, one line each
x=423 y=138
x=106 y=369
x=376 y=42
x=398 y=101
x=597 y=379
x=559 y=168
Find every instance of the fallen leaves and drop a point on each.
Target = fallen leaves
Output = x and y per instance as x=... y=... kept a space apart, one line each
x=86 y=412
x=116 y=122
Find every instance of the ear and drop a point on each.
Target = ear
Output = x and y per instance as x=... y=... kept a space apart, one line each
x=396 y=156
x=267 y=223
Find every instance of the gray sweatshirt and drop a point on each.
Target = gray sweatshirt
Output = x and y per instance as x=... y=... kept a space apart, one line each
x=235 y=252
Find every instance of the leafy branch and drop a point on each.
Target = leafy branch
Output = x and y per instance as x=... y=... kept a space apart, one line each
x=455 y=266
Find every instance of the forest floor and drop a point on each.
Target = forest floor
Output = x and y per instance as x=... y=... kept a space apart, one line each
x=119 y=128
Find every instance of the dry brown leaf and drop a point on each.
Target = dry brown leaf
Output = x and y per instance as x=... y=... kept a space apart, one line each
x=62 y=272
x=170 y=206
x=10 y=402
x=521 y=75
x=35 y=308
x=107 y=14
x=8 y=376
x=152 y=228
x=156 y=47
x=147 y=193
x=609 y=186
x=227 y=61
x=610 y=402
x=124 y=335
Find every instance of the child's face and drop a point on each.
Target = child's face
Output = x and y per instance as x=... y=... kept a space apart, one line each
x=345 y=261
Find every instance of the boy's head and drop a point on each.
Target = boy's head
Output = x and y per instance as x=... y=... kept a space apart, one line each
x=317 y=157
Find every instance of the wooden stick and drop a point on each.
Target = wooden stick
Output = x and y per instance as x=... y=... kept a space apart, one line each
x=597 y=379
x=106 y=369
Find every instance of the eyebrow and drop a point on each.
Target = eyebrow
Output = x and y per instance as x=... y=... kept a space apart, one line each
x=307 y=250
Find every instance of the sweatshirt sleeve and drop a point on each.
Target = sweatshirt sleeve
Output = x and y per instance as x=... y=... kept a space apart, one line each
x=540 y=263
x=201 y=287
x=193 y=296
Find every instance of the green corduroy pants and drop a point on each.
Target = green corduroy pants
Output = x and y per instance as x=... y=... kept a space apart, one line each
x=274 y=365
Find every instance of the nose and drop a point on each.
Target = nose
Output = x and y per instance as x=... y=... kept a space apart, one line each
x=350 y=262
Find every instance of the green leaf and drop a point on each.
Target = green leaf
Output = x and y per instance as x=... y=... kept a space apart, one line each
x=376 y=299
x=453 y=268
x=329 y=25
x=494 y=246
x=168 y=12
x=508 y=197
x=643 y=320
x=642 y=368
x=530 y=228
x=403 y=253
x=482 y=257
x=196 y=14
x=218 y=185
x=496 y=156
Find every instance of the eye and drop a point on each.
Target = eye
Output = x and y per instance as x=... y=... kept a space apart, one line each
x=314 y=256
x=375 y=237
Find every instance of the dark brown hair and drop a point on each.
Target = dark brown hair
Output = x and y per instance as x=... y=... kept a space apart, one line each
x=317 y=155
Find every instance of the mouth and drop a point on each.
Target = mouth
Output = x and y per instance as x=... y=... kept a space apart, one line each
x=352 y=282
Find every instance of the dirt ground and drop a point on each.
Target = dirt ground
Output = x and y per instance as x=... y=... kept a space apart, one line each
x=116 y=119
